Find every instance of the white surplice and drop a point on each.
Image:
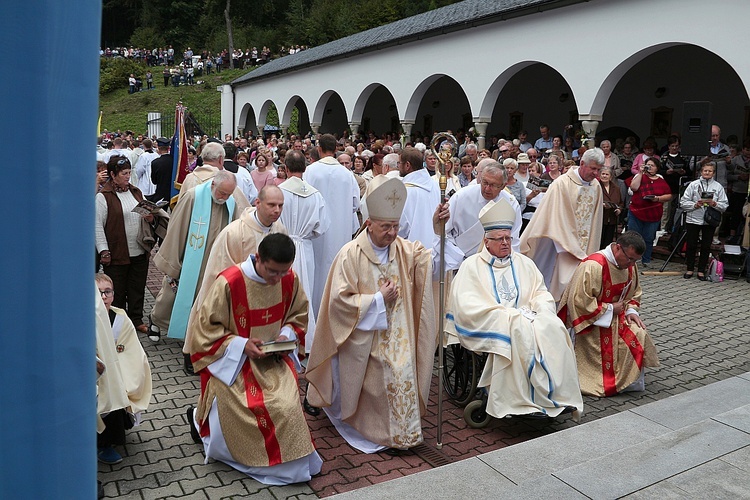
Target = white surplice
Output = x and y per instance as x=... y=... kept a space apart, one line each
x=305 y=217
x=422 y=198
x=341 y=193
x=142 y=174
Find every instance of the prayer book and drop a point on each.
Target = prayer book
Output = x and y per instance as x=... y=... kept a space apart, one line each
x=278 y=346
x=146 y=207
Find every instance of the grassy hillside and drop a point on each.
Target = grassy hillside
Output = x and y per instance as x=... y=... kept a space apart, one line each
x=123 y=111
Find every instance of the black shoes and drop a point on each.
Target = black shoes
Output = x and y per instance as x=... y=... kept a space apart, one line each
x=188 y=365
x=310 y=409
x=190 y=416
x=688 y=275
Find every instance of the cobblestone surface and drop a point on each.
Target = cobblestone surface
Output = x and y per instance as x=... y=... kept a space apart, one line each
x=701 y=330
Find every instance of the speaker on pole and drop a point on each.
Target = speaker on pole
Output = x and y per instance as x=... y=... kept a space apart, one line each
x=696 y=127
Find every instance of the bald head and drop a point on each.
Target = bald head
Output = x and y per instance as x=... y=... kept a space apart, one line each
x=345 y=160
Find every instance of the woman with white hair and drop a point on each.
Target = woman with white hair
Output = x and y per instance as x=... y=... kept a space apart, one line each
x=516 y=188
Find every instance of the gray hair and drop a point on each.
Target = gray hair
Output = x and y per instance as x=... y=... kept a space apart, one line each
x=391 y=161
x=510 y=161
x=212 y=151
x=420 y=146
x=471 y=145
x=595 y=155
x=223 y=176
x=495 y=168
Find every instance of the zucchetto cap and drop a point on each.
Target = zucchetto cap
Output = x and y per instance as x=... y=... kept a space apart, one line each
x=386 y=202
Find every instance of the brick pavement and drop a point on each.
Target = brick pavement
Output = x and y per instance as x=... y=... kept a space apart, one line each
x=701 y=330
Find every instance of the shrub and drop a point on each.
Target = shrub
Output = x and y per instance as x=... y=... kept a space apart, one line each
x=114 y=73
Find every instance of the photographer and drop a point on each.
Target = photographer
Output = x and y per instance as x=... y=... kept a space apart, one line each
x=701 y=193
x=650 y=192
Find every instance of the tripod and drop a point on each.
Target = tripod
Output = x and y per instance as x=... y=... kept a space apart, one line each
x=680 y=240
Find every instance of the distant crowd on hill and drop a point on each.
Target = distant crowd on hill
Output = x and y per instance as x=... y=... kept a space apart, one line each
x=169 y=57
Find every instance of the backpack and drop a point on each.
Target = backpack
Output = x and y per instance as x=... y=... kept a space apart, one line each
x=715 y=270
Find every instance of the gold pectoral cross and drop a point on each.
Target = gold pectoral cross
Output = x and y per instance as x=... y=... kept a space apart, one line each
x=197 y=240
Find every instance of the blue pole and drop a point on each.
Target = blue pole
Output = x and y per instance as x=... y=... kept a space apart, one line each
x=47 y=376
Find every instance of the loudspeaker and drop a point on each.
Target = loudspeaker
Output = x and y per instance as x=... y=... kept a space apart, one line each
x=696 y=128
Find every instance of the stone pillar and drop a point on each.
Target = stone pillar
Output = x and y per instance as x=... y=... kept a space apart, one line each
x=589 y=124
x=284 y=130
x=354 y=126
x=315 y=127
x=481 y=130
x=407 y=125
x=261 y=126
x=227 y=111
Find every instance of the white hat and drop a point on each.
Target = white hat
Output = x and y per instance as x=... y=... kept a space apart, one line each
x=497 y=215
x=386 y=202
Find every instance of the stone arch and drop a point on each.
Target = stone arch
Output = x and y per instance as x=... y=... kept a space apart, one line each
x=330 y=113
x=376 y=95
x=247 y=120
x=508 y=107
x=450 y=99
x=263 y=114
x=660 y=78
x=303 y=118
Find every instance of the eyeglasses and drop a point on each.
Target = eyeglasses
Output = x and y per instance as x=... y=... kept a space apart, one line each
x=493 y=186
x=501 y=239
x=107 y=293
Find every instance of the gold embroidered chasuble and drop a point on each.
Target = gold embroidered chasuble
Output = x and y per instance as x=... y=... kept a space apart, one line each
x=609 y=358
x=571 y=215
x=260 y=413
x=385 y=374
x=234 y=244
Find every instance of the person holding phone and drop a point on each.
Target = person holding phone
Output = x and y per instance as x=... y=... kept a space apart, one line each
x=701 y=193
x=650 y=192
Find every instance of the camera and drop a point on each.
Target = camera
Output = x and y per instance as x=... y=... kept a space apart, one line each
x=707 y=195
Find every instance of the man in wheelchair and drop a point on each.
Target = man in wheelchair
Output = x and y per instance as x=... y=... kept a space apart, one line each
x=501 y=306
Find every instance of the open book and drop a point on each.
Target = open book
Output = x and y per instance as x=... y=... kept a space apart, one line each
x=278 y=346
x=146 y=207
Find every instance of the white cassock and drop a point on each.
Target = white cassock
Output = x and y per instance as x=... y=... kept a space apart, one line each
x=305 y=217
x=464 y=230
x=246 y=185
x=422 y=198
x=503 y=308
x=341 y=194
x=142 y=173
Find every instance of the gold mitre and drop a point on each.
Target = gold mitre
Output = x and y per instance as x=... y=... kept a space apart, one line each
x=386 y=202
x=497 y=215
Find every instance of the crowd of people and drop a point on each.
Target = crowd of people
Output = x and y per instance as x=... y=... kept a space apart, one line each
x=320 y=259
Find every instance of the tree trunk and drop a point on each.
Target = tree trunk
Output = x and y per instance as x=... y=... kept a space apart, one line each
x=229 y=35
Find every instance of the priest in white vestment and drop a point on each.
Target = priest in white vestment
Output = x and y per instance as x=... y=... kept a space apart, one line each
x=567 y=226
x=500 y=306
x=371 y=364
x=305 y=217
x=341 y=193
x=238 y=241
x=142 y=170
x=423 y=195
x=463 y=229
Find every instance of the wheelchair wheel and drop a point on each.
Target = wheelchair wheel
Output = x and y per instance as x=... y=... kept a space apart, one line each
x=460 y=374
x=476 y=415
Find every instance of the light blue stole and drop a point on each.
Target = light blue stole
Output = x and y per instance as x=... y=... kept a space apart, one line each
x=195 y=248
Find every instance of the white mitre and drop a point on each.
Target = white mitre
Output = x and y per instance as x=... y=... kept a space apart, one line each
x=497 y=215
x=386 y=202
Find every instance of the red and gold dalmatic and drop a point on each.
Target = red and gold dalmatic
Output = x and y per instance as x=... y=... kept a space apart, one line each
x=609 y=358
x=260 y=413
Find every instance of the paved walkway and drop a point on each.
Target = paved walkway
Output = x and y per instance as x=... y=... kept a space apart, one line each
x=701 y=330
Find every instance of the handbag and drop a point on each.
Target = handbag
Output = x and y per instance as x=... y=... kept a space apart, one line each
x=712 y=217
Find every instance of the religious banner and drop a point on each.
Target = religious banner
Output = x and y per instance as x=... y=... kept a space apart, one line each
x=179 y=149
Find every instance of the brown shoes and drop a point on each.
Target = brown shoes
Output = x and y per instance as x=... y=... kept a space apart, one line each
x=142 y=328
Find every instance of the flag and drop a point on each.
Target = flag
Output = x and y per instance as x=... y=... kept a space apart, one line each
x=179 y=149
x=99 y=125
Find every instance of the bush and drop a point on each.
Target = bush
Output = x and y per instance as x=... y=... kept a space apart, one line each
x=114 y=73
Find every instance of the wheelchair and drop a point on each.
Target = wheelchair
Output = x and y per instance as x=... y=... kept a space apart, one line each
x=461 y=371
